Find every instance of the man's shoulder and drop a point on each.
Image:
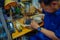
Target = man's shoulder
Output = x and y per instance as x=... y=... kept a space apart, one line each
x=58 y=12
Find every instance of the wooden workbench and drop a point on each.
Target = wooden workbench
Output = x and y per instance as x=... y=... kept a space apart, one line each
x=24 y=30
x=18 y=34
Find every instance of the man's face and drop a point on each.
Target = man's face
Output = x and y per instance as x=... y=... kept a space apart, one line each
x=54 y=5
x=50 y=8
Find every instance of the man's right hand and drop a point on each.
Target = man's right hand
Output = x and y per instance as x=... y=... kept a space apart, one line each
x=34 y=25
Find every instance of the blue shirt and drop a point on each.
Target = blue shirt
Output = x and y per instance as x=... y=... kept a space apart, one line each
x=52 y=23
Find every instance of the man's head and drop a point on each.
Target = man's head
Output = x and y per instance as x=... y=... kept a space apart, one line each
x=49 y=5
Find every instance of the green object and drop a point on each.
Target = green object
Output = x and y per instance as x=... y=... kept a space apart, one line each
x=17 y=10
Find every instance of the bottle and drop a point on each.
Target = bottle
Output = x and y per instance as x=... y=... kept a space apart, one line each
x=18 y=26
x=10 y=25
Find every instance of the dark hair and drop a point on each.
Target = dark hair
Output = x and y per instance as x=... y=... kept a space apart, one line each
x=46 y=2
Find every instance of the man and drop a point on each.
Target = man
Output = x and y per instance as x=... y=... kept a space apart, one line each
x=51 y=29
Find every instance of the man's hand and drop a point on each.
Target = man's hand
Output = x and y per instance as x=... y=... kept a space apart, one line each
x=48 y=33
x=34 y=25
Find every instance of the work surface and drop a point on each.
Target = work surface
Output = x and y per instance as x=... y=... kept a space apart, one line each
x=24 y=30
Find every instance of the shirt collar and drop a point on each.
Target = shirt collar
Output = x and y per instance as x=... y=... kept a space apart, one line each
x=55 y=13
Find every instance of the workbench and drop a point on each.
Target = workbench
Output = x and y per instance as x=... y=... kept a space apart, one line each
x=19 y=34
x=24 y=30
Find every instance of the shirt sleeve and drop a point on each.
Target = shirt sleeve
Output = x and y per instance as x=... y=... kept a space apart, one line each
x=57 y=33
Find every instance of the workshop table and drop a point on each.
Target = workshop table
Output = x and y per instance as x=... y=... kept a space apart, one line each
x=23 y=32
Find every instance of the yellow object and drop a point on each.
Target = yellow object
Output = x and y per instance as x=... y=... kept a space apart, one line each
x=9 y=3
x=24 y=30
x=22 y=4
x=19 y=34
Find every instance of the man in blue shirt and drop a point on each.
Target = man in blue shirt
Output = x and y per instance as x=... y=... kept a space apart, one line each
x=51 y=29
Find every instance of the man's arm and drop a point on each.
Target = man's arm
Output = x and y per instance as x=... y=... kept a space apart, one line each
x=48 y=33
